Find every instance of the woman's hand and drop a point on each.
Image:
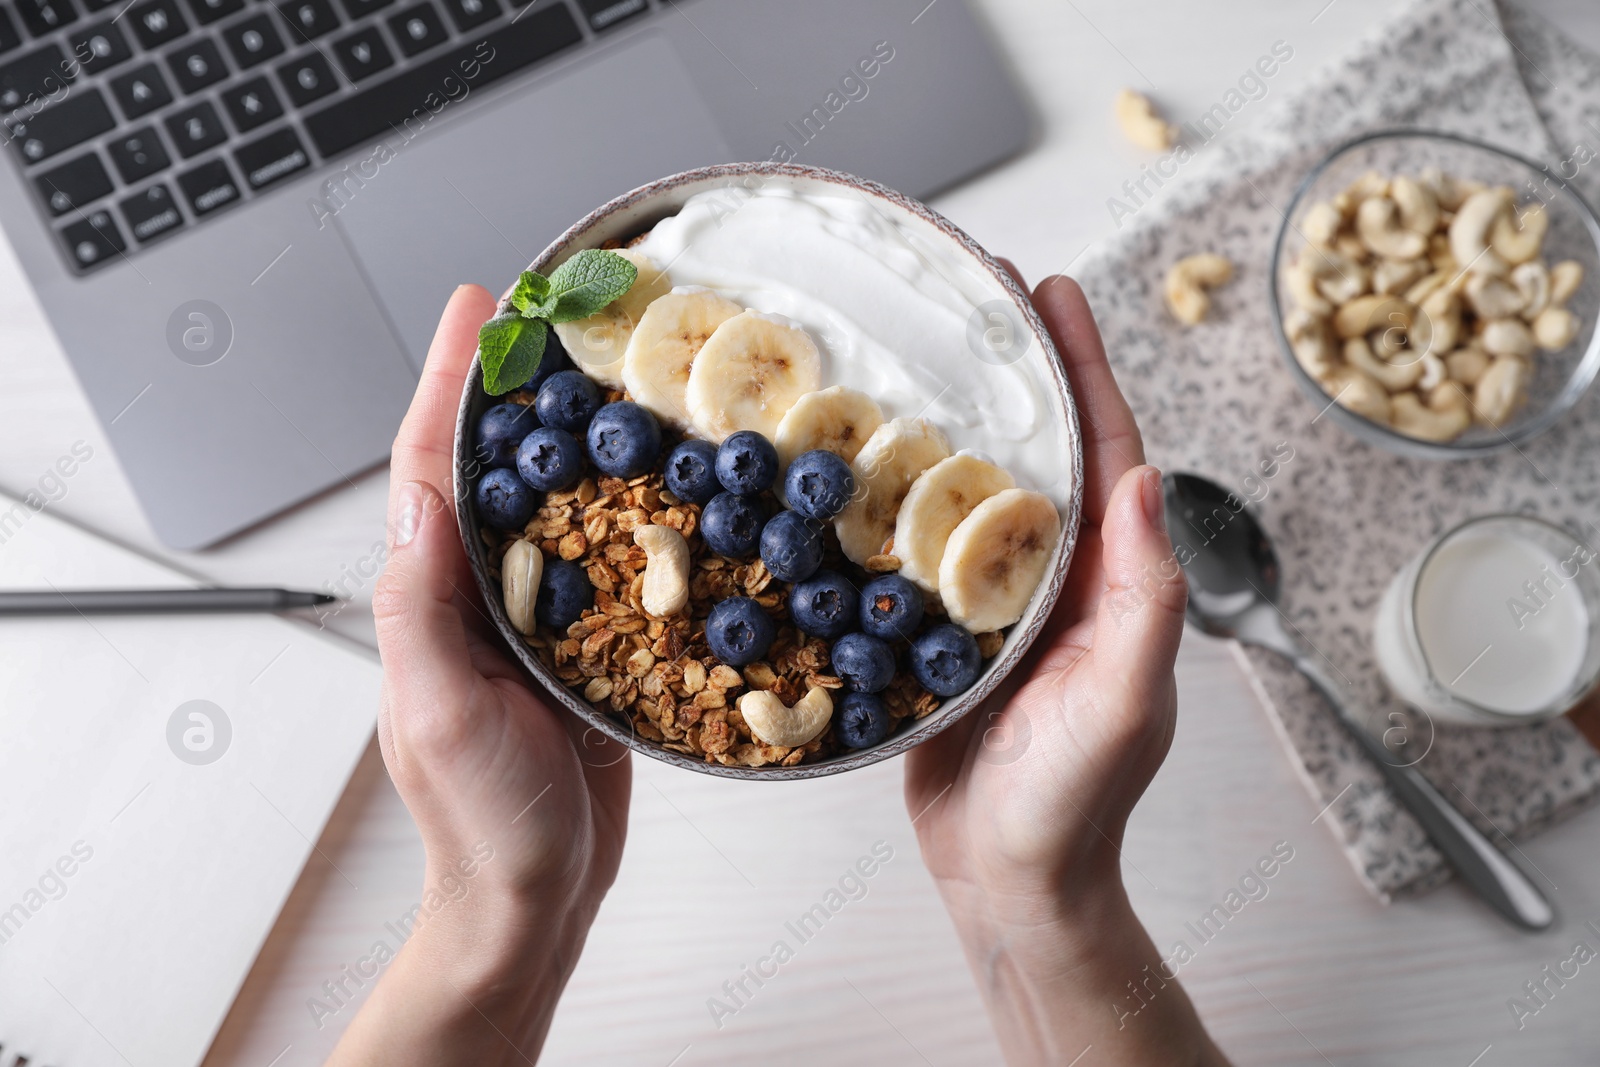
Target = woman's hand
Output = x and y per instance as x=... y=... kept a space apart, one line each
x=522 y=812
x=1020 y=808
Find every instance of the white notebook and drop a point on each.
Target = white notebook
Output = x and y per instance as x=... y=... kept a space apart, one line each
x=137 y=879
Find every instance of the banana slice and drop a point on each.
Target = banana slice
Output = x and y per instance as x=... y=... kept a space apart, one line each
x=749 y=374
x=837 y=419
x=598 y=343
x=892 y=458
x=670 y=333
x=939 y=499
x=996 y=557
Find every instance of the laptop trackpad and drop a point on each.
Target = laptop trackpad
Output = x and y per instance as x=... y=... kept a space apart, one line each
x=473 y=198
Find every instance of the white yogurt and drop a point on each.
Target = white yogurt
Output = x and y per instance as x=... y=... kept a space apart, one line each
x=1500 y=622
x=889 y=307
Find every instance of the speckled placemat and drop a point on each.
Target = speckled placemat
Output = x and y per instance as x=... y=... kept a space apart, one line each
x=1345 y=516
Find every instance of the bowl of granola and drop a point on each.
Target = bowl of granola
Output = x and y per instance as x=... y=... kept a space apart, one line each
x=767 y=471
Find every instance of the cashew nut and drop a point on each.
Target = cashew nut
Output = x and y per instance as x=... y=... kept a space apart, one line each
x=1555 y=328
x=1322 y=224
x=774 y=724
x=1310 y=340
x=1358 y=392
x=1378 y=223
x=1337 y=276
x=1501 y=390
x=1433 y=372
x=1469 y=232
x=1466 y=365
x=1450 y=192
x=1352 y=247
x=1439 y=255
x=1302 y=286
x=1507 y=337
x=1444 y=417
x=520 y=571
x=1428 y=286
x=1187 y=282
x=666 y=569
x=1492 y=297
x=1533 y=285
x=1141 y=123
x=1419 y=208
x=1518 y=239
x=1565 y=277
x=1394 y=275
x=1374 y=311
x=1395 y=377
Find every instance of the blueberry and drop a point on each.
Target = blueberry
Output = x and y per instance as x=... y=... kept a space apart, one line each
x=567 y=400
x=731 y=524
x=819 y=484
x=945 y=660
x=555 y=359
x=747 y=463
x=862 y=720
x=791 y=546
x=550 y=459
x=564 y=595
x=866 y=663
x=891 y=607
x=505 y=501
x=691 y=472
x=624 y=440
x=501 y=430
x=824 y=605
x=739 y=632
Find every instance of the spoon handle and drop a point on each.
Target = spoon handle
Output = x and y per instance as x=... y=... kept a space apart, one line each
x=1501 y=883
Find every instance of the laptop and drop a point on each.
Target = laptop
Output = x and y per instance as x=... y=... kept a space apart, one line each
x=243 y=217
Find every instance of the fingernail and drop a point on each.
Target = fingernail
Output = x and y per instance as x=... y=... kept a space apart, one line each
x=1155 y=504
x=408 y=514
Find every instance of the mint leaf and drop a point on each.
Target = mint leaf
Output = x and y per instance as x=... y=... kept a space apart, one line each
x=511 y=349
x=586 y=283
x=531 y=291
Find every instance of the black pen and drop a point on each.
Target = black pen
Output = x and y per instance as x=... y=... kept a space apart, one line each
x=154 y=601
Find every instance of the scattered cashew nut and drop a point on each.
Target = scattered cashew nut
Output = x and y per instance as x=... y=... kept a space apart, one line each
x=1554 y=329
x=666 y=569
x=1501 y=390
x=1378 y=224
x=1445 y=416
x=1187 y=282
x=1142 y=124
x=520 y=571
x=773 y=724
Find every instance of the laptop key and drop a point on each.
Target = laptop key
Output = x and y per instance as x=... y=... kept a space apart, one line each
x=417 y=28
x=151 y=213
x=156 y=22
x=195 y=129
x=251 y=104
x=139 y=154
x=94 y=239
x=374 y=112
x=603 y=14
x=9 y=37
x=208 y=186
x=77 y=118
x=46 y=16
x=307 y=78
x=197 y=65
x=208 y=11
x=355 y=9
x=253 y=40
x=74 y=184
x=363 y=53
x=270 y=158
x=308 y=19
x=34 y=75
x=141 y=91
x=100 y=48
x=469 y=14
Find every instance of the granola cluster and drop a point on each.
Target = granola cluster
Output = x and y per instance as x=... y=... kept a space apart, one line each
x=657 y=674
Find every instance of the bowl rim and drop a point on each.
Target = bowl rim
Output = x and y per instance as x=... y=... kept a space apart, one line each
x=1359 y=426
x=954 y=709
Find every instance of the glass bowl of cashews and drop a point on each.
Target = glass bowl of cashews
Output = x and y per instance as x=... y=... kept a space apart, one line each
x=1438 y=296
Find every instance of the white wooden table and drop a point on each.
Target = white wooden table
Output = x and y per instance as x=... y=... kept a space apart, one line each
x=1315 y=973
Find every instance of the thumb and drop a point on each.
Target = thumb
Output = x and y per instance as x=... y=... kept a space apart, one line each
x=1140 y=617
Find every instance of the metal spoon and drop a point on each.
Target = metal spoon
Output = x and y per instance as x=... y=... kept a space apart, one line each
x=1233 y=592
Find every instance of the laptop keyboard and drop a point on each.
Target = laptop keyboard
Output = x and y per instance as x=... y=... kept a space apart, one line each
x=136 y=121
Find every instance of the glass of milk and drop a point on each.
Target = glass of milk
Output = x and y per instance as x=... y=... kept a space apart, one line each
x=1497 y=622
